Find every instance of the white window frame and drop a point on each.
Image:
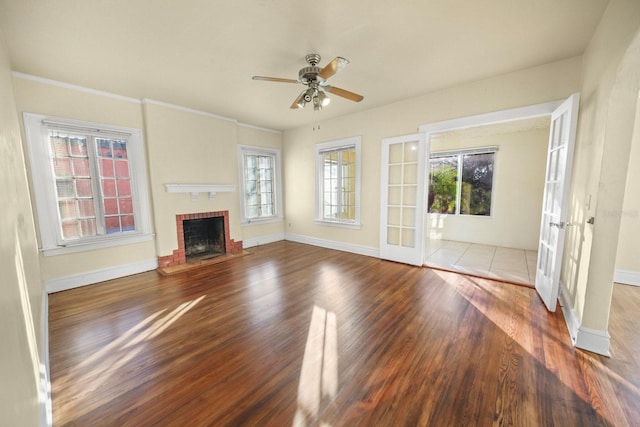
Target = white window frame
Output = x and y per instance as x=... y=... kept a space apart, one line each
x=460 y=154
x=356 y=143
x=277 y=185
x=36 y=128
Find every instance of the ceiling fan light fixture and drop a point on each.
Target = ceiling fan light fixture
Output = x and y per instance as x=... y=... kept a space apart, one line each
x=315 y=78
x=323 y=98
x=309 y=94
x=317 y=104
x=301 y=103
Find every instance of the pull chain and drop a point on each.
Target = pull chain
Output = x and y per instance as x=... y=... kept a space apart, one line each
x=316 y=121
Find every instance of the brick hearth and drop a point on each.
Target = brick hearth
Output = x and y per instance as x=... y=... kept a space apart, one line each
x=178 y=256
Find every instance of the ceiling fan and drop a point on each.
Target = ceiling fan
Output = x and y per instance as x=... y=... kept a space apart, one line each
x=316 y=80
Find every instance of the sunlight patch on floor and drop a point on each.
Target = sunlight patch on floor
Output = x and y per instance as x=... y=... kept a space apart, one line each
x=319 y=372
x=503 y=319
x=94 y=371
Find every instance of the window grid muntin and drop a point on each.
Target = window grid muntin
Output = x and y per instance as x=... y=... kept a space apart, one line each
x=259 y=182
x=339 y=201
x=74 y=223
x=71 y=163
x=114 y=175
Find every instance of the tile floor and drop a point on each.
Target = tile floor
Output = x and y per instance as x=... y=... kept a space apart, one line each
x=513 y=265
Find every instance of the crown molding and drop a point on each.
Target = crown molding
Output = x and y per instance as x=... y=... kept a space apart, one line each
x=57 y=83
x=25 y=76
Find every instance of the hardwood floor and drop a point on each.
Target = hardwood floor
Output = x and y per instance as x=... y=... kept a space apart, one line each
x=296 y=335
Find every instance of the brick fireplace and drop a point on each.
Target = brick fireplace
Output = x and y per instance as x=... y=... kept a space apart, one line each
x=179 y=256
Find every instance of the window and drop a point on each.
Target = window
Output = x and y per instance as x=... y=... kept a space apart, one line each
x=461 y=182
x=260 y=177
x=89 y=183
x=338 y=182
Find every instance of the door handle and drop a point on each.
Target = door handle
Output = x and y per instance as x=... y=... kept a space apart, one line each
x=560 y=224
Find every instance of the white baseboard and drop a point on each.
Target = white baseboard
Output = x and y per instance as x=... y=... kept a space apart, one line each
x=570 y=317
x=627 y=277
x=90 y=277
x=331 y=244
x=593 y=340
x=46 y=412
x=262 y=240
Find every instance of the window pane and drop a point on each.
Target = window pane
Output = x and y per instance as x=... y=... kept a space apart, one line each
x=106 y=167
x=259 y=195
x=443 y=177
x=110 y=206
x=124 y=187
x=120 y=149
x=104 y=148
x=83 y=188
x=70 y=230
x=339 y=185
x=477 y=182
x=65 y=188
x=80 y=167
x=78 y=147
x=62 y=167
x=86 y=209
x=108 y=187
x=88 y=227
x=112 y=223
x=68 y=209
x=125 y=205
x=113 y=167
x=74 y=193
x=122 y=168
x=128 y=223
x=60 y=146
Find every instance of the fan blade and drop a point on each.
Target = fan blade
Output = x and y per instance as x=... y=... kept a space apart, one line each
x=333 y=67
x=274 y=79
x=344 y=93
x=299 y=102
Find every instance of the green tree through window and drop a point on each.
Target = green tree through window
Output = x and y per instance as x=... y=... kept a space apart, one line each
x=443 y=184
x=473 y=195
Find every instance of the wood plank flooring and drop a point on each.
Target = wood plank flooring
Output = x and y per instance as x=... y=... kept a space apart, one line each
x=296 y=335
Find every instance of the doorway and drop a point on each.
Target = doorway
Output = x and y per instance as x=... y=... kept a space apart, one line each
x=518 y=183
x=486 y=185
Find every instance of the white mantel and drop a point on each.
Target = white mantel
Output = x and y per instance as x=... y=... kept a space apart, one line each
x=194 y=189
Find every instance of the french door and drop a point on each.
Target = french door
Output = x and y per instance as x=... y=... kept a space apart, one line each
x=555 y=200
x=402 y=198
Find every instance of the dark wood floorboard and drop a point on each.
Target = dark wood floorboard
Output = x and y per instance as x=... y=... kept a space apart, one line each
x=296 y=335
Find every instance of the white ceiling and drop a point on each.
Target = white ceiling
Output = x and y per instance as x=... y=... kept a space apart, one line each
x=201 y=54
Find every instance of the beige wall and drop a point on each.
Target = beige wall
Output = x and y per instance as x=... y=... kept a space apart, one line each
x=189 y=148
x=607 y=113
x=532 y=86
x=43 y=98
x=518 y=185
x=629 y=241
x=22 y=292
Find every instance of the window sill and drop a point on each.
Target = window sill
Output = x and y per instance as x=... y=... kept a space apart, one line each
x=260 y=221
x=351 y=225
x=432 y=214
x=106 y=242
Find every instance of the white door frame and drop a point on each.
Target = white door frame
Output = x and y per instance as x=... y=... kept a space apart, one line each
x=503 y=116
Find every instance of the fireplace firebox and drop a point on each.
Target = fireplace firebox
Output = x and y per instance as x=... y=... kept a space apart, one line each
x=203 y=238
x=220 y=245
